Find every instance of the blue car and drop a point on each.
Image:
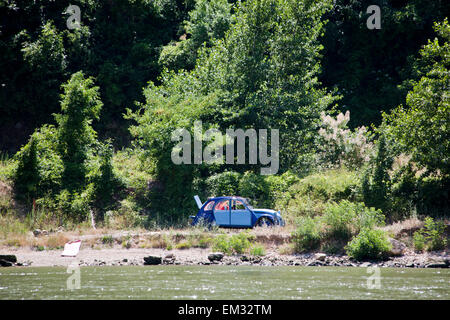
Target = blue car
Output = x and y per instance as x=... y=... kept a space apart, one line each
x=235 y=212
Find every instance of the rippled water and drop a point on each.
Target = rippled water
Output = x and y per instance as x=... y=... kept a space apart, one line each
x=223 y=282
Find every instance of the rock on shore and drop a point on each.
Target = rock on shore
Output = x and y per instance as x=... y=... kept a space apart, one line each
x=152 y=260
x=197 y=256
x=215 y=256
x=7 y=260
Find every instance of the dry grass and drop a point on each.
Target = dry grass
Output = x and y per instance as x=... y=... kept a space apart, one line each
x=17 y=241
x=405 y=227
x=54 y=241
x=286 y=249
x=157 y=241
x=273 y=236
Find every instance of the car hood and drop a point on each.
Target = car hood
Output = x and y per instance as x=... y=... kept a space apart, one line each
x=267 y=211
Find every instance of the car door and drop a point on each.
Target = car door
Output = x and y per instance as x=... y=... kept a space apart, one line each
x=240 y=215
x=222 y=212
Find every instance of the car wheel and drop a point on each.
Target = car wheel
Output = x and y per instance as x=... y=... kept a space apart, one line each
x=264 y=222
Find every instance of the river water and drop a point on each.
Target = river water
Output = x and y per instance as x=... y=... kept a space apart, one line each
x=223 y=282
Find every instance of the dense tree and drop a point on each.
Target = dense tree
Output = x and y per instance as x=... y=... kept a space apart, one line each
x=421 y=129
x=208 y=21
x=118 y=42
x=262 y=75
x=80 y=105
x=367 y=66
x=65 y=167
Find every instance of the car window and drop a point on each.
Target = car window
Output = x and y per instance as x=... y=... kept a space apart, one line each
x=247 y=201
x=238 y=205
x=209 y=205
x=222 y=205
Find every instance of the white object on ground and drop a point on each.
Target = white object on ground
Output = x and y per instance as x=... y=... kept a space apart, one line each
x=199 y=203
x=71 y=248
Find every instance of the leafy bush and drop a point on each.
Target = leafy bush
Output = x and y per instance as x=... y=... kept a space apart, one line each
x=419 y=241
x=221 y=244
x=241 y=242
x=369 y=244
x=108 y=239
x=339 y=219
x=237 y=243
x=209 y=20
x=346 y=218
x=310 y=195
x=255 y=187
x=39 y=166
x=431 y=236
x=125 y=216
x=27 y=174
x=257 y=250
x=336 y=226
x=222 y=184
x=183 y=245
x=307 y=235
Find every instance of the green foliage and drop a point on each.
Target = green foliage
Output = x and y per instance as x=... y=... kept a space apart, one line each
x=422 y=129
x=221 y=244
x=39 y=53
x=223 y=184
x=27 y=173
x=39 y=166
x=11 y=225
x=366 y=66
x=335 y=227
x=248 y=73
x=80 y=105
x=46 y=64
x=208 y=21
x=237 y=243
x=183 y=245
x=431 y=237
x=255 y=187
x=420 y=133
x=251 y=64
x=310 y=195
x=419 y=241
x=369 y=244
x=108 y=239
x=346 y=218
x=65 y=168
x=307 y=235
x=376 y=181
x=263 y=191
x=257 y=250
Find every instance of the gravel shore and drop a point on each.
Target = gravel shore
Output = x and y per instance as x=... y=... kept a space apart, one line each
x=118 y=256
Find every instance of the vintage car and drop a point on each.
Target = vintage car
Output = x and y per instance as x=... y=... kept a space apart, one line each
x=234 y=212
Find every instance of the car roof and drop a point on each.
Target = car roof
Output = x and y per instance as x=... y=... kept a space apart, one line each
x=226 y=197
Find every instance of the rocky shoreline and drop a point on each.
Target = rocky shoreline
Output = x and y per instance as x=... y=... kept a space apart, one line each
x=141 y=257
